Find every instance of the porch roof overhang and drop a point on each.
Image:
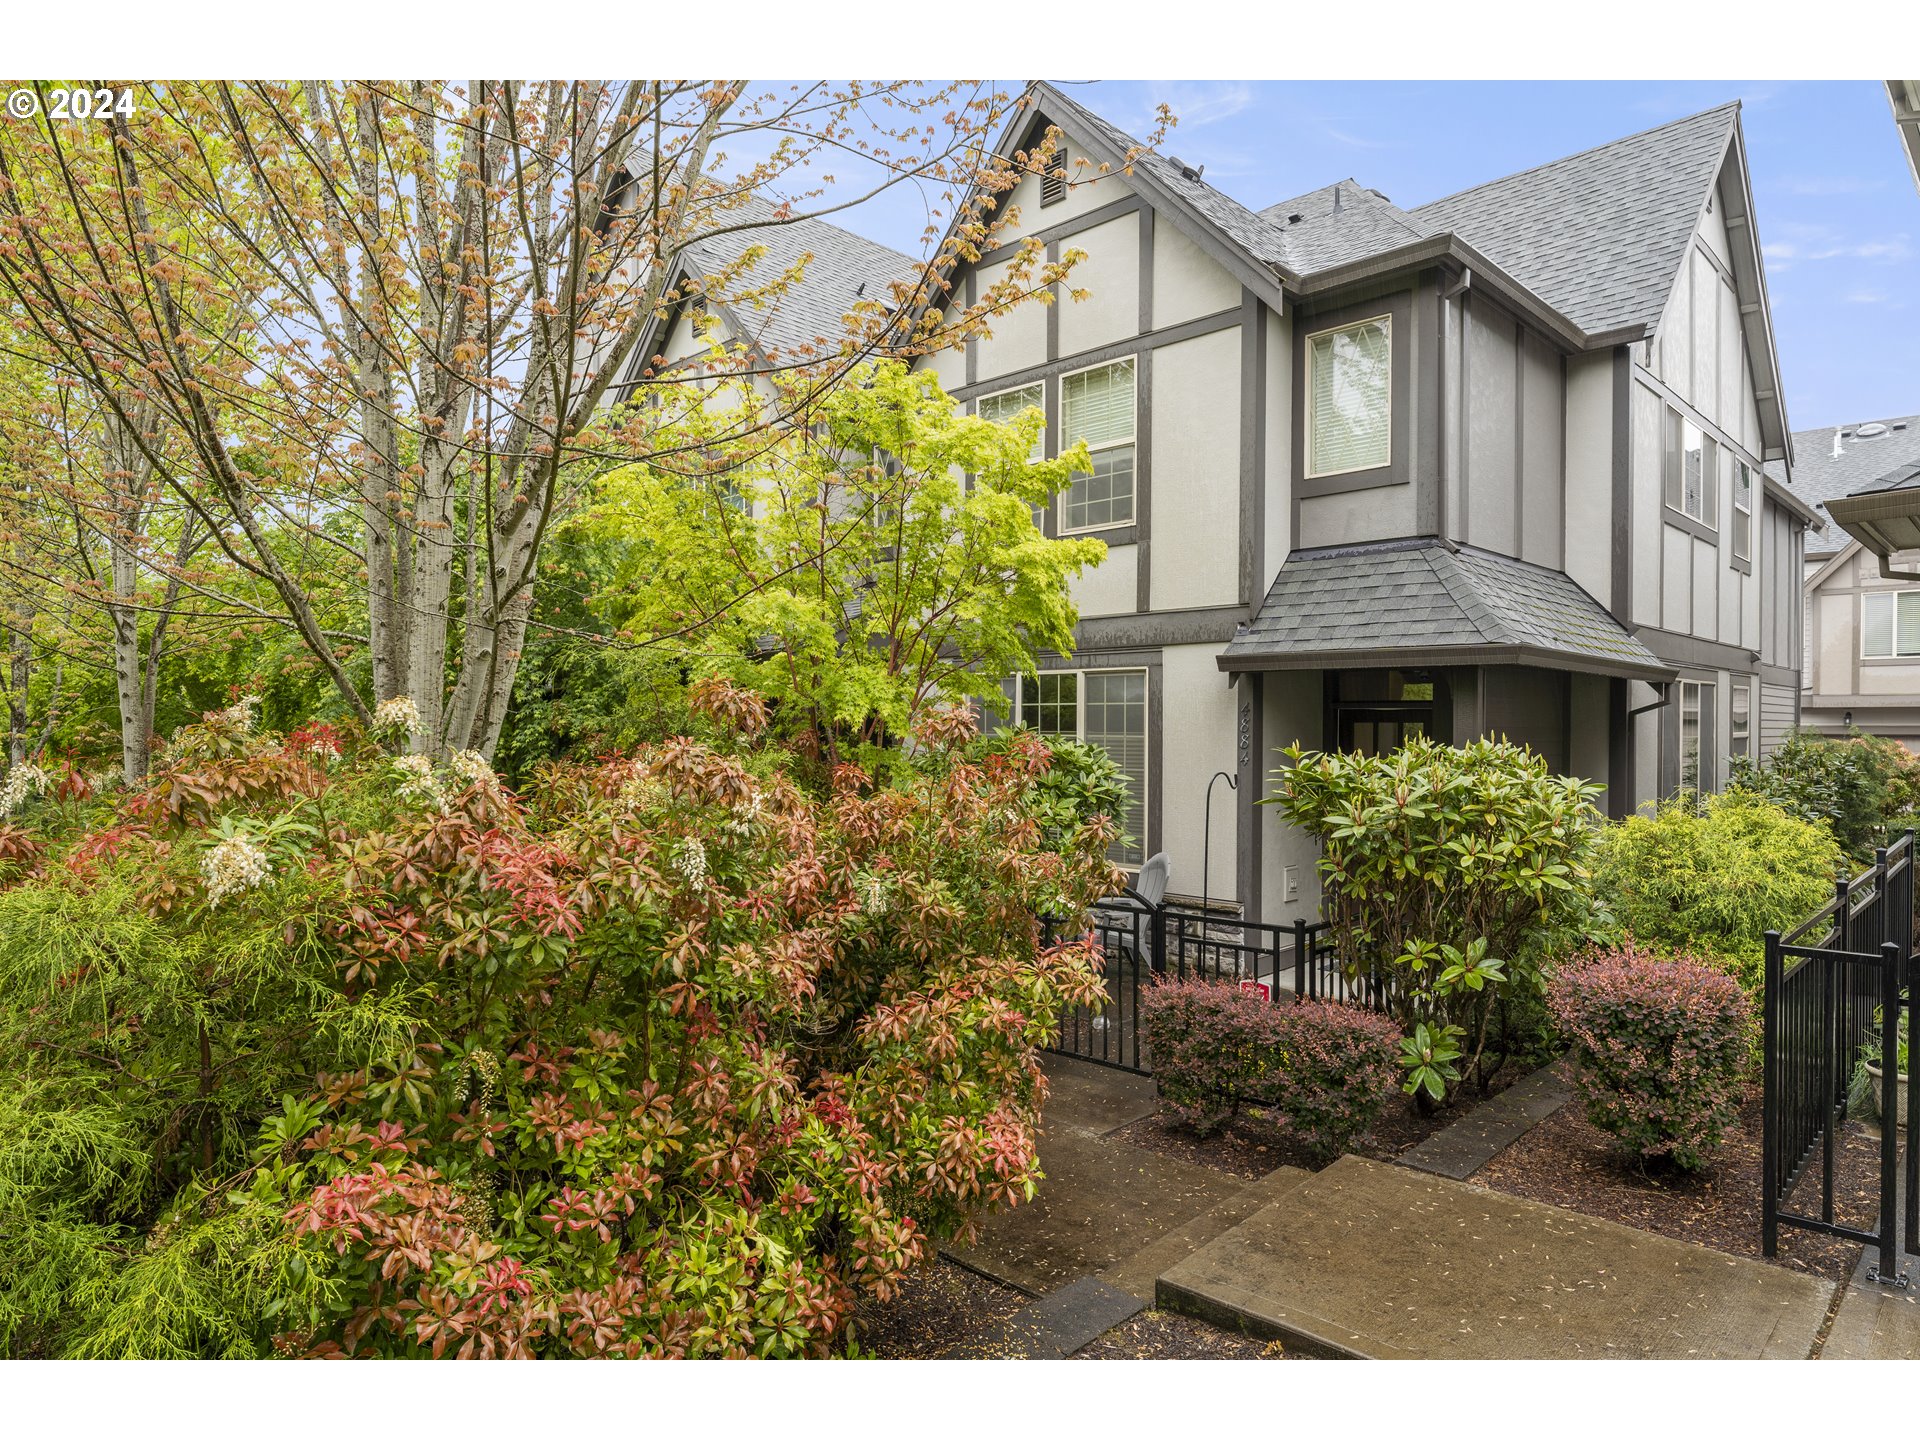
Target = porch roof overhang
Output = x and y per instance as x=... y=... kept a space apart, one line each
x=1426 y=602
x=1884 y=518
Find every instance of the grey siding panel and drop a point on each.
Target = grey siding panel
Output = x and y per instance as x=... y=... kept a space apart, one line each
x=1492 y=377
x=1777 y=717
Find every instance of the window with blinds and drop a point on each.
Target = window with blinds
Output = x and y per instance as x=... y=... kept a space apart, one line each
x=1008 y=403
x=1096 y=406
x=1696 y=708
x=1890 y=625
x=1350 y=398
x=1739 y=719
x=1107 y=708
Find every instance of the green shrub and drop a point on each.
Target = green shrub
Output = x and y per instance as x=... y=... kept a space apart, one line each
x=1081 y=784
x=1323 y=1071
x=1864 y=788
x=310 y=1050
x=1451 y=872
x=1658 y=1046
x=1711 y=877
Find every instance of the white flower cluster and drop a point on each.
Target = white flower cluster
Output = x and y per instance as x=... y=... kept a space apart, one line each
x=746 y=819
x=643 y=792
x=877 y=898
x=417 y=781
x=691 y=861
x=239 y=714
x=22 y=778
x=235 y=864
x=470 y=767
x=398 y=716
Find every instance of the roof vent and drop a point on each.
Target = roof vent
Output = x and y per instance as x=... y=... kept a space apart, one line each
x=1868 y=431
x=1187 y=170
x=1899 y=424
x=1295 y=219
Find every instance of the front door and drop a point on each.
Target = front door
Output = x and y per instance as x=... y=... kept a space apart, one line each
x=1381 y=729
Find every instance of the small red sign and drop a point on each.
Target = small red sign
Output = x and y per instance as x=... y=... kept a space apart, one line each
x=1259 y=987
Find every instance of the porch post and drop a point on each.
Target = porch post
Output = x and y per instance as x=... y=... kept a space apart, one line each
x=1249 y=742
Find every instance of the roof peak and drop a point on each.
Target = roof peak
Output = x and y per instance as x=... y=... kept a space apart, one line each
x=1729 y=105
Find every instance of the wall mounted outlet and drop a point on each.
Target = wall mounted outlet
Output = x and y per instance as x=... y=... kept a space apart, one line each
x=1290 y=882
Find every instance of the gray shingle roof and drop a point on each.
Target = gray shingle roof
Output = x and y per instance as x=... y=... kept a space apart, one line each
x=1426 y=602
x=1340 y=222
x=810 y=317
x=1819 y=475
x=1599 y=235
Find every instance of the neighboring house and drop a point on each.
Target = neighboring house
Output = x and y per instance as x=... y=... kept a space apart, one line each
x=1507 y=463
x=1863 y=629
x=1904 y=96
x=779 y=326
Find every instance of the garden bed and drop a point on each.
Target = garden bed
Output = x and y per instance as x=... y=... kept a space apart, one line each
x=1250 y=1145
x=1565 y=1161
x=943 y=1305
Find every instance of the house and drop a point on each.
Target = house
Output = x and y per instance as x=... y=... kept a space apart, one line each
x=1904 y=96
x=1862 y=664
x=1511 y=462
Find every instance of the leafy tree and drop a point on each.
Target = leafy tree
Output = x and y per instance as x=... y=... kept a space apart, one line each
x=1862 y=787
x=1448 y=875
x=406 y=302
x=857 y=569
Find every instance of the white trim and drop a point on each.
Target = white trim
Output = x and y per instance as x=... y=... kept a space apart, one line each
x=1386 y=322
x=1132 y=362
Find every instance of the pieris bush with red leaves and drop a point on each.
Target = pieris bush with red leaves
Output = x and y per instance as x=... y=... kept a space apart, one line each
x=1660 y=1045
x=310 y=1050
x=1322 y=1070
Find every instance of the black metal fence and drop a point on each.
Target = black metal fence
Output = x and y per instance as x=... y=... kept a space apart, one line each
x=1141 y=941
x=1835 y=986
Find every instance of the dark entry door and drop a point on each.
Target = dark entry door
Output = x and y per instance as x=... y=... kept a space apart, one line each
x=1379 y=729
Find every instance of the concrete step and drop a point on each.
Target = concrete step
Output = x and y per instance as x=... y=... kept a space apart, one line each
x=1054 y=1326
x=1138 y=1273
x=1365 y=1260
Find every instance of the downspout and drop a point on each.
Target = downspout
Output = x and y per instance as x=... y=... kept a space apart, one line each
x=1665 y=687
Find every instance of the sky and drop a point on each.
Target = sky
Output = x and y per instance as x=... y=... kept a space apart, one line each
x=1838 y=211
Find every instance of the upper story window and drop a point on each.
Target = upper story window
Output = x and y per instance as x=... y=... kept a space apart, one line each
x=1350 y=398
x=1004 y=406
x=1691 y=467
x=1097 y=406
x=1742 y=511
x=1890 y=625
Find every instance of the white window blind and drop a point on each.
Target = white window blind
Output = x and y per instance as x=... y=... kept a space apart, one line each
x=1096 y=406
x=1008 y=403
x=1890 y=625
x=1349 y=398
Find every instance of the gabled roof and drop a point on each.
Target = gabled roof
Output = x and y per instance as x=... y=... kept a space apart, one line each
x=1839 y=460
x=1428 y=602
x=841 y=268
x=1599 y=235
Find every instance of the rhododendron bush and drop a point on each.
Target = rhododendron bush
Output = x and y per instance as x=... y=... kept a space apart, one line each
x=311 y=1051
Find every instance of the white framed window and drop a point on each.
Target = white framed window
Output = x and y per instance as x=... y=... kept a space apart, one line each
x=1691 y=464
x=1890 y=624
x=1696 y=705
x=1003 y=405
x=1350 y=397
x=1097 y=406
x=1742 y=511
x=1107 y=708
x=1740 y=719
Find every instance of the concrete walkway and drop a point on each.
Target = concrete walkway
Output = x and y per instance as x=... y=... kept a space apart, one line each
x=1366 y=1260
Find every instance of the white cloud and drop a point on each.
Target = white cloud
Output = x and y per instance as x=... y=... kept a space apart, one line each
x=1865 y=297
x=1200 y=103
x=1359 y=142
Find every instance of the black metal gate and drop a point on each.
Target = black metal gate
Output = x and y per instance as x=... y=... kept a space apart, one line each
x=1835 y=990
x=1140 y=941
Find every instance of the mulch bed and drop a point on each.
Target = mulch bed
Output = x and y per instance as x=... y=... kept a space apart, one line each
x=943 y=1304
x=1250 y=1145
x=1567 y=1162
x=1163 y=1335
x=937 y=1307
